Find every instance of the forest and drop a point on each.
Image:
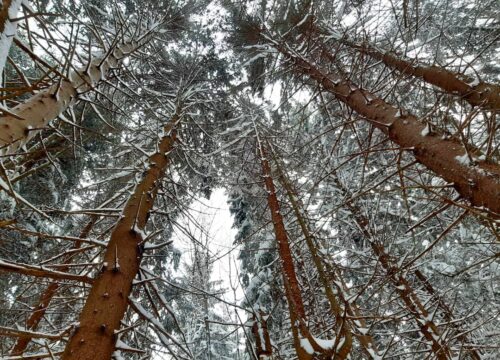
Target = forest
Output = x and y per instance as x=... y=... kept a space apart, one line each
x=249 y=179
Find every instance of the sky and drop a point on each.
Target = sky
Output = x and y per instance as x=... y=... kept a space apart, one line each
x=210 y=221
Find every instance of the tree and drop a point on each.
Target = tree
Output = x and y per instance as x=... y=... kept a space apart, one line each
x=357 y=143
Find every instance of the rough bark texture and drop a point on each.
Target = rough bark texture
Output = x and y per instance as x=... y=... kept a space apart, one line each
x=345 y=330
x=46 y=297
x=8 y=11
x=26 y=119
x=108 y=298
x=292 y=289
x=476 y=94
x=474 y=179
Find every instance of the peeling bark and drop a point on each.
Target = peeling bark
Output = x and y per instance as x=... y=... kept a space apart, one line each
x=107 y=301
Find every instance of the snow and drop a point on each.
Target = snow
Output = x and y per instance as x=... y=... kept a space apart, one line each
x=120 y=345
x=8 y=34
x=117 y=355
x=306 y=345
x=255 y=58
x=140 y=231
x=464 y=159
x=262 y=340
x=301 y=22
x=426 y=130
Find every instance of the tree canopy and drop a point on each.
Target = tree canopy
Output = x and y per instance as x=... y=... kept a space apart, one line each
x=249 y=179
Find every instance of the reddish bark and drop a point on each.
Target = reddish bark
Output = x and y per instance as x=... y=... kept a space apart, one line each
x=478 y=181
x=262 y=339
x=292 y=289
x=108 y=298
x=481 y=94
x=42 y=272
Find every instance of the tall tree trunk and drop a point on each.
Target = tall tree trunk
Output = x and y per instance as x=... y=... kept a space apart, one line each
x=25 y=119
x=107 y=301
x=304 y=343
x=474 y=179
x=476 y=93
x=366 y=340
x=47 y=296
x=7 y=30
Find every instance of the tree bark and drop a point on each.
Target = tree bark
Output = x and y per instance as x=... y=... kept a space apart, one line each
x=262 y=339
x=366 y=340
x=41 y=271
x=479 y=93
x=301 y=333
x=474 y=179
x=26 y=119
x=108 y=298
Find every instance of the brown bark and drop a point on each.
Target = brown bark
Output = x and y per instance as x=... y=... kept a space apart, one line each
x=292 y=289
x=107 y=301
x=481 y=94
x=47 y=296
x=477 y=181
x=291 y=284
x=26 y=119
x=366 y=340
x=262 y=339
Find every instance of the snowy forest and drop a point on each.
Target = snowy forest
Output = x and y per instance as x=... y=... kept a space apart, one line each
x=249 y=179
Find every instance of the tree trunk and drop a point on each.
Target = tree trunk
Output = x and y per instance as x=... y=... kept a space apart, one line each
x=475 y=93
x=366 y=340
x=474 y=179
x=7 y=30
x=262 y=339
x=26 y=119
x=405 y=291
x=108 y=298
x=301 y=334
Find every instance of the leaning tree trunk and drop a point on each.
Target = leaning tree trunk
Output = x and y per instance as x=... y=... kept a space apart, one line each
x=26 y=119
x=474 y=179
x=108 y=298
x=7 y=30
x=476 y=93
x=353 y=312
